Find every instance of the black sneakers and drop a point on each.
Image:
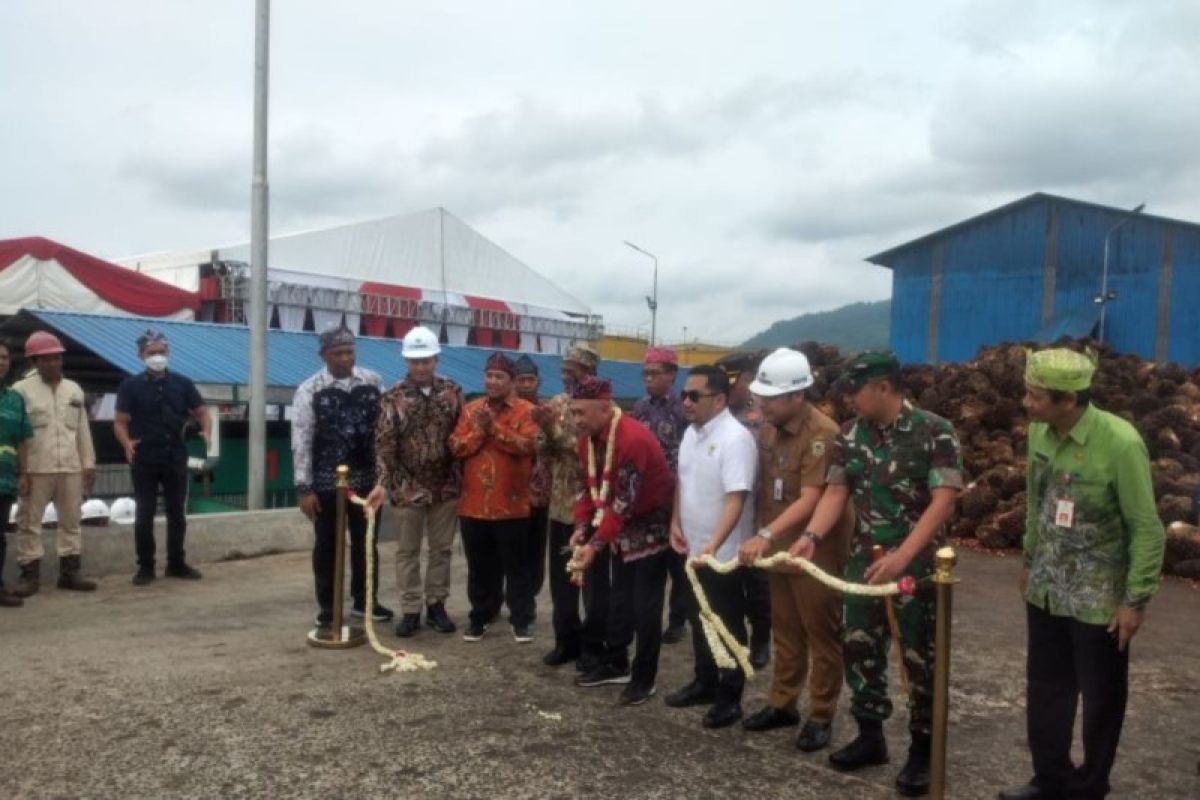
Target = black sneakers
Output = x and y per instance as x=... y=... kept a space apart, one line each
x=408 y=625
x=437 y=618
x=144 y=577
x=522 y=634
x=635 y=694
x=182 y=571
x=474 y=632
x=378 y=613
x=603 y=675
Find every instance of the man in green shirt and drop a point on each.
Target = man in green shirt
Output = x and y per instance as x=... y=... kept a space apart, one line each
x=902 y=467
x=1093 y=553
x=14 y=431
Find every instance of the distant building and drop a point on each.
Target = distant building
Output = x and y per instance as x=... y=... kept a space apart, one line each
x=1032 y=270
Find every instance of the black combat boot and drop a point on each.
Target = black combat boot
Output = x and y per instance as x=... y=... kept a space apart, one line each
x=867 y=750
x=913 y=780
x=69 y=577
x=30 y=579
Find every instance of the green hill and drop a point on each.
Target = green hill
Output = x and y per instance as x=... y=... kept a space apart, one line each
x=858 y=326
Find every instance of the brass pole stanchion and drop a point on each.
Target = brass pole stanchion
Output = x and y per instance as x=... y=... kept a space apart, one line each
x=338 y=636
x=943 y=580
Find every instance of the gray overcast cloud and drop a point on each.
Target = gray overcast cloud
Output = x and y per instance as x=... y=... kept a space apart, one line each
x=761 y=149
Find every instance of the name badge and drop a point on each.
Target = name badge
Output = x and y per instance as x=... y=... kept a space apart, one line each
x=778 y=490
x=1064 y=514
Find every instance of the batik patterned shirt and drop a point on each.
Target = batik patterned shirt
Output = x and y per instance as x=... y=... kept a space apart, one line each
x=1093 y=539
x=497 y=458
x=412 y=437
x=556 y=448
x=664 y=417
x=333 y=423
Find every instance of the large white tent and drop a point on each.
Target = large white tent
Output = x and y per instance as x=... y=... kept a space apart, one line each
x=388 y=274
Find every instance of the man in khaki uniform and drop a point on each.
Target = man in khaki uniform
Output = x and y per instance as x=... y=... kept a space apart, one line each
x=794 y=448
x=61 y=464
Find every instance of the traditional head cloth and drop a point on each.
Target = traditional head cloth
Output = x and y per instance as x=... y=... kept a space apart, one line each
x=501 y=363
x=336 y=337
x=584 y=356
x=661 y=355
x=525 y=366
x=592 y=388
x=150 y=336
x=1060 y=370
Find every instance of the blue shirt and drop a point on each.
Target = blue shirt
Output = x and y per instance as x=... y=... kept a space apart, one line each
x=158 y=408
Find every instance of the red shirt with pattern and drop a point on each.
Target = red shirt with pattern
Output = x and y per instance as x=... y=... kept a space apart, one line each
x=495 y=441
x=639 y=510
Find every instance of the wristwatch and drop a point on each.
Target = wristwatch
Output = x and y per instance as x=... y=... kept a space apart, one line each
x=764 y=533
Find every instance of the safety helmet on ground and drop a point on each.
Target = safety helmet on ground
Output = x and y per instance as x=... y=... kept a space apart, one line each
x=50 y=516
x=94 y=512
x=420 y=342
x=782 y=372
x=123 y=510
x=43 y=343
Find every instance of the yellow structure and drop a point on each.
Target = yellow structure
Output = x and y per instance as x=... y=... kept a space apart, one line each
x=614 y=347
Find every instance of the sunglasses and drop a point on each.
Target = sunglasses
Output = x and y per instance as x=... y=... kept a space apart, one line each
x=694 y=395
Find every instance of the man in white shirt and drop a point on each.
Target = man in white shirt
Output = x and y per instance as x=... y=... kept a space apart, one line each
x=713 y=515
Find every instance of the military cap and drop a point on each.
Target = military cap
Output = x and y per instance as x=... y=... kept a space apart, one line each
x=866 y=367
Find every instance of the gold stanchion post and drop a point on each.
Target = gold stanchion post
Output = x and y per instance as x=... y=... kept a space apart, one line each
x=944 y=580
x=338 y=636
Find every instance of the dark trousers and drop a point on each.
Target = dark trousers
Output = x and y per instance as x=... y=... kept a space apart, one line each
x=538 y=536
x=677 y=605
x=6 y=501
x=1068 y=659
x=727 y=597
x=635 y=607
x=597 y=589
x=564 y=595
x=498 y=569
x=147 y=478
x=325 y=551
x=757 y=590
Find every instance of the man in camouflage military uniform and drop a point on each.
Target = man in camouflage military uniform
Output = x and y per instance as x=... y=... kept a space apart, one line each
x=902 y=467
x=1093 y=549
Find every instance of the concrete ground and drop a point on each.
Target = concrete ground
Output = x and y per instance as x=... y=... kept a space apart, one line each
x=208 y=690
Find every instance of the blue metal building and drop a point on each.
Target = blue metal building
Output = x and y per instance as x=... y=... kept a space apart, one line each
x=1031 y=270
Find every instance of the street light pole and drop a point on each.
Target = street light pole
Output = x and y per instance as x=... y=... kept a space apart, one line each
x=1104 y=295
x=652 y=300
x=257 y=446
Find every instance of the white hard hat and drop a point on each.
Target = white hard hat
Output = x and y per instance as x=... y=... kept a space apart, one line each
x=123 y=510
x=94 y=509
x=50 y=517
x=782 y=372
x=420 y=342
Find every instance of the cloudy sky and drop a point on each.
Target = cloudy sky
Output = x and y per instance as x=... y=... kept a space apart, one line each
x=760 y=149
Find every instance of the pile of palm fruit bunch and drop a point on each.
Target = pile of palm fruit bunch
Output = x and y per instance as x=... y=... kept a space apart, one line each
x=982 y=398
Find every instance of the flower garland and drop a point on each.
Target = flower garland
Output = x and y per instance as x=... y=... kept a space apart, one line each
x=600 y=489
x=401 y=660
x=727 y=651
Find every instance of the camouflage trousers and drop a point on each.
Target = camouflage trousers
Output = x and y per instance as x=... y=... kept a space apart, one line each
x=867 y=647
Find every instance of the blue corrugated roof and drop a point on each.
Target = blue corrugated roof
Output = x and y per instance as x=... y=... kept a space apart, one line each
x=211 y=353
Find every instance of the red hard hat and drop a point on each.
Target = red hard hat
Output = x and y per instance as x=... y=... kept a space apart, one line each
x=43 y=343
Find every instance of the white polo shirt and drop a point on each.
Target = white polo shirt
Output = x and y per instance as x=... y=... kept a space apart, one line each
x=714 y=460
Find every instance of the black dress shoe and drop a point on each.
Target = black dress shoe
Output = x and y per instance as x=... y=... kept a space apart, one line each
x=586 y=663
x=182 y=571
x=674 y=633
x=868 y=750
x=694 y=694
x=144 y=577
x=768 y=718
x=814 y=736
x=1028 y=792
x=408 y=625
x=722 y=715
x=634 y=694
x=437 y=618
x=560 y=655
x=913 y=780
x=760 y=654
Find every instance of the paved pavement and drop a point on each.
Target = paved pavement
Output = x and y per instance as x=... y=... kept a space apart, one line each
x=208 y=690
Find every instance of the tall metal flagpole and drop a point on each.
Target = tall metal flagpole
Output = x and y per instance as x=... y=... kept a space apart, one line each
x=256 y=484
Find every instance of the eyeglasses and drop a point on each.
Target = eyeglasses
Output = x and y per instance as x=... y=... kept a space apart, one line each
x=694 y=395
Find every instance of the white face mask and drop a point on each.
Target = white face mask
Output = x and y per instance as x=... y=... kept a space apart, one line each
x=155 y=363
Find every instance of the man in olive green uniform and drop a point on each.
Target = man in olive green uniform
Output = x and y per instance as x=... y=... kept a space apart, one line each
x=1093 y=550
x=902 y=466
x=795 y=446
